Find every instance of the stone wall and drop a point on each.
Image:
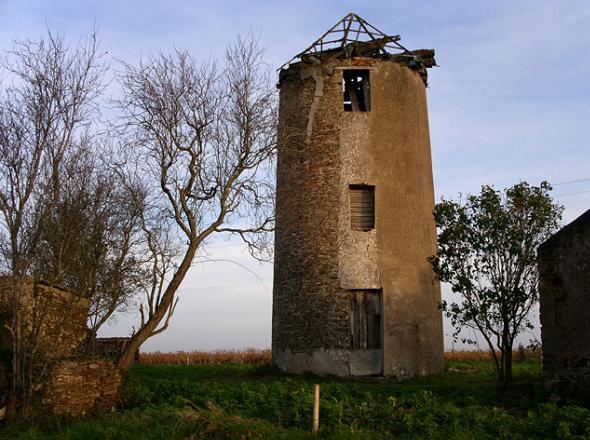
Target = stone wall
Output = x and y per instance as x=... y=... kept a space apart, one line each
x=310 y=310
x=58 y=315
x=319 y=261
x=564 y=288
x=77 y=388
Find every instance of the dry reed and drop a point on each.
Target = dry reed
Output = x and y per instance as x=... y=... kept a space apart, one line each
x=248 y=356
x=519 y=355
x=254 y=356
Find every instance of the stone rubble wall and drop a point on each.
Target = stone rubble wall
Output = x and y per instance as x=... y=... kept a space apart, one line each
x=60 y=316
x=77 y=388
x=65 y=329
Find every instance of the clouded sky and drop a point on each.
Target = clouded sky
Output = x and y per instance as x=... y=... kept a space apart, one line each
x=509 y=102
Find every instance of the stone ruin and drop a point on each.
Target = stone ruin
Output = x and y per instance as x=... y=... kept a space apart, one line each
x=78 y=387
x=354 y=293
x=77 y=383
x=564 y=289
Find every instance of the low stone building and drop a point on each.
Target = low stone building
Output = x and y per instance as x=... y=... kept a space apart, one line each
x=564 y=288
x=77 y=382
x=112 y=348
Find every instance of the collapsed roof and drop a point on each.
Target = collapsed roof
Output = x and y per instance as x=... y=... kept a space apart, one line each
x=352 y=37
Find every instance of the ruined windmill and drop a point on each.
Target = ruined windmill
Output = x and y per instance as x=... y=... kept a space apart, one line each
x=354 y=292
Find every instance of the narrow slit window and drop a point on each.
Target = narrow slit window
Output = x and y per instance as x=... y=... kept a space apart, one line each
x=365 y=319
x=362 y=207
x=356 y=88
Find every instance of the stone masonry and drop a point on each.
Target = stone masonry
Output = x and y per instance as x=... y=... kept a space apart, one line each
x=564 y=289
x=76 y=386
x=61 y=315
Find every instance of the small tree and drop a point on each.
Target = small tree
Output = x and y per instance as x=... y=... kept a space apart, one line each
x=487 y=249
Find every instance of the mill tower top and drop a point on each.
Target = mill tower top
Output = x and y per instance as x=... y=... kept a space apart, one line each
x=352 y=36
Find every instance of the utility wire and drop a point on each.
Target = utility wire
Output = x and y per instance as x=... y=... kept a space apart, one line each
x=558 y=196
x=568 y=182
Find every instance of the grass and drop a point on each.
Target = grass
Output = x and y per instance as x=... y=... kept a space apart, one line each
x=246 y=401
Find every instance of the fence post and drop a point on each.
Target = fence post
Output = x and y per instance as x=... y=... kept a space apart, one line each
x=316 y=408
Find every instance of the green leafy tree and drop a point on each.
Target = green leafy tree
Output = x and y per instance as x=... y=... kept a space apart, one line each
x=487 y=250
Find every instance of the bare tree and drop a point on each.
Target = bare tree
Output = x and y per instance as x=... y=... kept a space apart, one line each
x=92 y=237
x=203 y=137
x=46 y=105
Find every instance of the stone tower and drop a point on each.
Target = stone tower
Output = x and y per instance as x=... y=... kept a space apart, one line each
x=354 y=293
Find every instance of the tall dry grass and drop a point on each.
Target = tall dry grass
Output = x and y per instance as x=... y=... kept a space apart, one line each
x=521 y=354
x=247 y=356
x=254 y=356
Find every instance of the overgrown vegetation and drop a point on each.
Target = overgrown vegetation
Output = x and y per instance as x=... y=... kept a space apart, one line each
x=253 y=401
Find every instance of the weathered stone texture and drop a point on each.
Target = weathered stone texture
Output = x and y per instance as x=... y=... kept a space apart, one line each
x=564 y=288
x=60 y=315
x=77 y=388
x=318 y=258
x=310 y=311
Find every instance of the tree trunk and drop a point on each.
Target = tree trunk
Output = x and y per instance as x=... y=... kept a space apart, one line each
x=127 y=358
x=502 y=370
x=508 y=365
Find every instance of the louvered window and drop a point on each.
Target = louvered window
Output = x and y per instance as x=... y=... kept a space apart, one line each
x=362 y=207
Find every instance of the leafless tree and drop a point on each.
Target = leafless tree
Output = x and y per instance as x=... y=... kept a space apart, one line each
x=203 y=137
x=47 y=102
x=92 y=237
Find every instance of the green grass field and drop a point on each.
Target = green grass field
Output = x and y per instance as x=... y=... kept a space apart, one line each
x=245 y=401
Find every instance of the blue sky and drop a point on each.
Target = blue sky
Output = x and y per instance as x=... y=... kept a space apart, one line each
x=509 y=102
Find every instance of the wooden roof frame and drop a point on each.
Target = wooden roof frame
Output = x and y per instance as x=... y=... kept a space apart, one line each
x=351 y=30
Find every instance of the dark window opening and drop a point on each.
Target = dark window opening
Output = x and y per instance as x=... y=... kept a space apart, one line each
x=357 y=90
x=365 y=319
x=362 y=207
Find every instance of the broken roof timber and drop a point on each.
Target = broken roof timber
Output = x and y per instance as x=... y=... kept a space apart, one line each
x=353 y=35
